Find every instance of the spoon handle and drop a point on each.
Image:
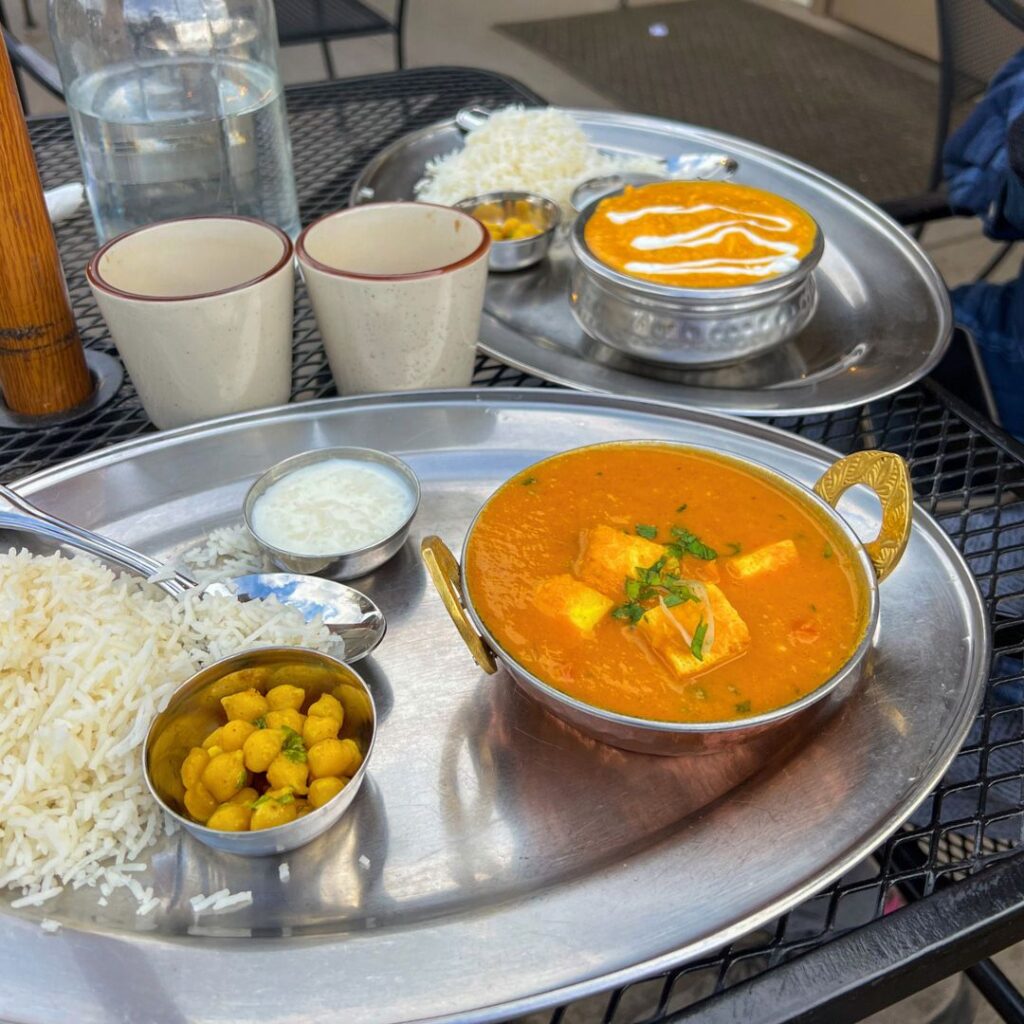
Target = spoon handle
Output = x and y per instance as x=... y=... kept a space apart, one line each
x=95 y=544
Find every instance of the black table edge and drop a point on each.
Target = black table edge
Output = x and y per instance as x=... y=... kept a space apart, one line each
x=880 y=963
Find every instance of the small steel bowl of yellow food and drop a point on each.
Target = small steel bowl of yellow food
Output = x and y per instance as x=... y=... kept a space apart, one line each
x=522 y=226
x=263 y=751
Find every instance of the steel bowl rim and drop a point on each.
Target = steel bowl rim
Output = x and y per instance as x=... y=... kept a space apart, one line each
x=283 y=467
x=202 y=831
x=692 y=299
x=656 y=726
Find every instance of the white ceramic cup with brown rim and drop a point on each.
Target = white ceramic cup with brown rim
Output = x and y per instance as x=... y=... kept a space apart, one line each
x=397 y=289
x=200 y=309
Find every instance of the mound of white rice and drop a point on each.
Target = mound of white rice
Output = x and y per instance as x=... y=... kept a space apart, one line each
x=87 y=658
x=543 y=151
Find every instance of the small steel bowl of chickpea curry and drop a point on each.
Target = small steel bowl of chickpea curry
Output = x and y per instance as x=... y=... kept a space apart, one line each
x=262 y=751
x=671 y=599
x=522 y=226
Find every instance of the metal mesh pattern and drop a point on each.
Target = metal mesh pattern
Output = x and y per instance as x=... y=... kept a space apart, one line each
x=967 y=475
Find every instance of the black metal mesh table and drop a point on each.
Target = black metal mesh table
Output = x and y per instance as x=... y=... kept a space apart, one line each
x=966 y=473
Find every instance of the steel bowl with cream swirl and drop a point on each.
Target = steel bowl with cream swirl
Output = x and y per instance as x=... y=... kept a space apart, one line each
x=674 y=325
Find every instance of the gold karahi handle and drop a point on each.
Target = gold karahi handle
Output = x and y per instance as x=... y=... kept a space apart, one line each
x=886 y=474
x=444 y=571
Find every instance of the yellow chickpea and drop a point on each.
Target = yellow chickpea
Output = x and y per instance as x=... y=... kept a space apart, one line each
x=230 y=817
x=356 y=703
x=247 y=705
x=328 y=707
x=286 y=696
x=234 y=734
x=199 y=802
x=225 y=775
x=323 y=790
x=317 y=728
x=193 y=765
x=286 y=717
x=334 y=757
x=261 y=747
x=284 y=772
x=245 y=796
x=213 y=740
x=272 y=812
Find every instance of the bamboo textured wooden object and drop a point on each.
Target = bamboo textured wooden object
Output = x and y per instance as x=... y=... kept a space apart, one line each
x=42 y=363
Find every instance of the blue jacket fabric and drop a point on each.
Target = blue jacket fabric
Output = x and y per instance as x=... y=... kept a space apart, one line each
x=984 y=169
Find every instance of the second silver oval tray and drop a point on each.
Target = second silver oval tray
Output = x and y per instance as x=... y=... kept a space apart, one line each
x=883 y=319
x=495 y=861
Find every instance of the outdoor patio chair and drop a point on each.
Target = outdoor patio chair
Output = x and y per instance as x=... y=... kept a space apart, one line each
x=320 y=21
x=975 y=40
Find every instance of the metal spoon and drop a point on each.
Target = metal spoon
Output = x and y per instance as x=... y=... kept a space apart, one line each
x=346 y=612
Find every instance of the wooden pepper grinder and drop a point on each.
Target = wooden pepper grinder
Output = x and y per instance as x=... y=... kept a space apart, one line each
x=42 y=363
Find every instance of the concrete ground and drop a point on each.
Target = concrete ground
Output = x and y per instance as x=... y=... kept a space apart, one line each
x=461 y=32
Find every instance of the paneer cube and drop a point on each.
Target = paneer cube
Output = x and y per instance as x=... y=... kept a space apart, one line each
x=567 y=598
x=732 y=638
x=770 y=558
x=610 y=557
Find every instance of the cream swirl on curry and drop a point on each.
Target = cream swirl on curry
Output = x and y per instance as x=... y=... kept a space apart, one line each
x=700 y=234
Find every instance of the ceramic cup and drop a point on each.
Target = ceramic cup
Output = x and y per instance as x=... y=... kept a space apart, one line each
x=200 y=310
x=397 y=289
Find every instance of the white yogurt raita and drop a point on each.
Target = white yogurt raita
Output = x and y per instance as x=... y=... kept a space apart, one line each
x=332 y=507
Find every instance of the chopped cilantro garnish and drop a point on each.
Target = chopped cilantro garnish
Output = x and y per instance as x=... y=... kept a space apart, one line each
x=293 y=748
x=828 y=550
x=260 y=723
x=647 y=532
x=682 y=508
x=743 y=707
x=671 y=600
x=734 y=547
x=697 y=647
x=526 y=481
x=631 y=613
x=690 y=544
x=632 y=589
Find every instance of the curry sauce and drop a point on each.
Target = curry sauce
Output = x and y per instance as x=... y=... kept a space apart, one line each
x=700 y=234
x=665 y=583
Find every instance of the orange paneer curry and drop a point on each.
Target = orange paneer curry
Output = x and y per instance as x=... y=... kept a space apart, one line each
x=665 y=583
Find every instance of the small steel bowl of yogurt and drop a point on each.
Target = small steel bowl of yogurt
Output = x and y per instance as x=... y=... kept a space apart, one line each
x=333 y=512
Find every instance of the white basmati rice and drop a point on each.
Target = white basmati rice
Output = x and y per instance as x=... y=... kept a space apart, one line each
x=227 y=551
x=517 y=150
x=49 y=925
x=87 y=658
x=234 y=901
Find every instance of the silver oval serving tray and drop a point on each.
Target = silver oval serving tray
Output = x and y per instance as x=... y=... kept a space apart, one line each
x=495 y=861
x=883 y=318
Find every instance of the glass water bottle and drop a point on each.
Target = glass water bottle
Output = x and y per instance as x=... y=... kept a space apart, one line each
x=177 y=109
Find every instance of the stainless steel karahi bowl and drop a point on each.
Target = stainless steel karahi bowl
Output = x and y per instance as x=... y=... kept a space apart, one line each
x=335 y=565
x=688 y=327
x=518 y=253
x=194 y=711
x=886 y=474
